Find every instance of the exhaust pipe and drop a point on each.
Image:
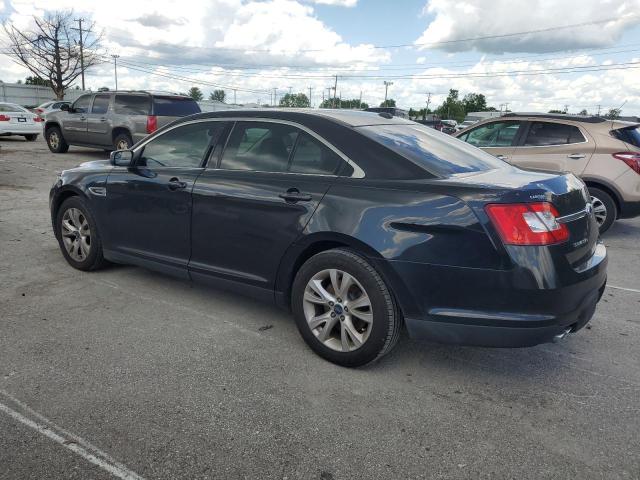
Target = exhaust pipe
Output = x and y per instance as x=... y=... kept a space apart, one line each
x=561 y=336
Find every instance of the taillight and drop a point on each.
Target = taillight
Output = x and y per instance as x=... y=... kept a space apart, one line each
x=38 y=119
x=630 y=158
x=152 y=123
x=527 y=223
x=4 y=118
x=39 y=110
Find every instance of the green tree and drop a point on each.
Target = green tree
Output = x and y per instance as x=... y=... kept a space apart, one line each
x=342 y=103
x=452 y=108
x=613 y=113
x=474 y=102
x=218 y=95
x=557 y=111
x=195 y=93
x=583 y=112
x=34 y=80
x=297 y=100
x=390 y=102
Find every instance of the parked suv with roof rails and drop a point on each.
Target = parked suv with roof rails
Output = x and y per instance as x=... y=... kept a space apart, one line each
x=604 y=153
x=114 y=120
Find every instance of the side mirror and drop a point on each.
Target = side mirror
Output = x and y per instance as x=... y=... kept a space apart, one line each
x=65 y=107
x=121 y=158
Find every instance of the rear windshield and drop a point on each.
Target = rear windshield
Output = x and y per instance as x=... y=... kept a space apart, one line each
x=630 y=135
x=437 y=152
x=174 y=106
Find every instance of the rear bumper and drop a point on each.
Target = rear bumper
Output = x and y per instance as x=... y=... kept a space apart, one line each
x=16 y=129
x=629 y=209
x=494 y=308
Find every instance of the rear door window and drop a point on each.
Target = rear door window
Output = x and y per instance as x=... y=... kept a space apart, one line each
x=495 y=134
x=312 y=157
x=259 y=146
x=132 y=104
x=100 y=104
x=174 y=106
x=543 y=134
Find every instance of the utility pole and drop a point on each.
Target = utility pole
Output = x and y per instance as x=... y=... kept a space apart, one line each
x=335 y=92
x=506 y=107
x=310 y=103
x=360 y=101
x=329 y=96
x=566 y=108
x=80 y=20
x=115 y=68
x=386 y=88
x=275 y=97
x=428 y=102
x=234 y=97
x=599 y=108
x=290 y=89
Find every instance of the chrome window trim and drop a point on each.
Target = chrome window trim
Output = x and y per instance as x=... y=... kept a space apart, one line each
x=357 y=171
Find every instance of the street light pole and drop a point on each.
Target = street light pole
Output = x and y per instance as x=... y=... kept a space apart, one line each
x=115 y=68
x=386 y=88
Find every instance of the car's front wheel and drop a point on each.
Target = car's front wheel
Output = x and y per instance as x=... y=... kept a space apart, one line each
x=343 y=308
x=78 y=235
x=55 y=140
x=604 y=208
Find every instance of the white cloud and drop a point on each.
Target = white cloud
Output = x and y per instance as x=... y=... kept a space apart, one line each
x=339 y=3
x=463 y=19
x=421 y=60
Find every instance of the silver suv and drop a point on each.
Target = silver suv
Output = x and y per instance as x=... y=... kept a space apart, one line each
x=113 y=120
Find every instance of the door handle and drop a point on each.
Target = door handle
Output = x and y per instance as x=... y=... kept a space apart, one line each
x=103 y=119
x=576 y=156
x=294 y=195
x=175 y=184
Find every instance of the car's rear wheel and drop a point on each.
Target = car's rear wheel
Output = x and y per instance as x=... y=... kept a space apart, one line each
x=122 y=142
x=343 y=308
x=78 y=235
x=604 y=208
x=31 y=137
x=55 y=140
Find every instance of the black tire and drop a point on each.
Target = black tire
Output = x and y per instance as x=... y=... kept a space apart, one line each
x=31 y=137
x=94 y=260
x=55 y=140
x=387 y=320
x=599 y=199
x=121 y=140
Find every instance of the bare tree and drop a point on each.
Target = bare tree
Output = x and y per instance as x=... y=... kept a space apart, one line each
x=51 y=50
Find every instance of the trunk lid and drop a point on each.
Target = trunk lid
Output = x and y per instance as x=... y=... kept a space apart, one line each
x=565 y=192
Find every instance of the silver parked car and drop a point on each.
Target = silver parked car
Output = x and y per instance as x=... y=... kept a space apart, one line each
x=114 y=120
x=50 y=106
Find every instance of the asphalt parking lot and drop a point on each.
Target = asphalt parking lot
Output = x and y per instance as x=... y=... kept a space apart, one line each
x=141 y=375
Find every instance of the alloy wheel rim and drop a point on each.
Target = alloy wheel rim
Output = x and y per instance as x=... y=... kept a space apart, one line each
x=338 y=310
x=54 y=140
x=599 y=210
x=122 y=145
x=76 y=234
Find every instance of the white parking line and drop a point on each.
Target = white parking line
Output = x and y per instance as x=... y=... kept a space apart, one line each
x=68 y=440
x=623 y=288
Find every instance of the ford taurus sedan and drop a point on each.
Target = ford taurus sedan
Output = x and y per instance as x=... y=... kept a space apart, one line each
x=358 y=222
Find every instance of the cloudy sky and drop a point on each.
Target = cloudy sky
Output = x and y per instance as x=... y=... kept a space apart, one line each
x=532 y=54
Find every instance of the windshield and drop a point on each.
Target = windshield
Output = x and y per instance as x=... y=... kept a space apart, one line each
x=437 y=152
x=630 y=135
x=174 y=106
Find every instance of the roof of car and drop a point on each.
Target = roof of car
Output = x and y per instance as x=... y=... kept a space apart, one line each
x=559 y=116
x=353 y=118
